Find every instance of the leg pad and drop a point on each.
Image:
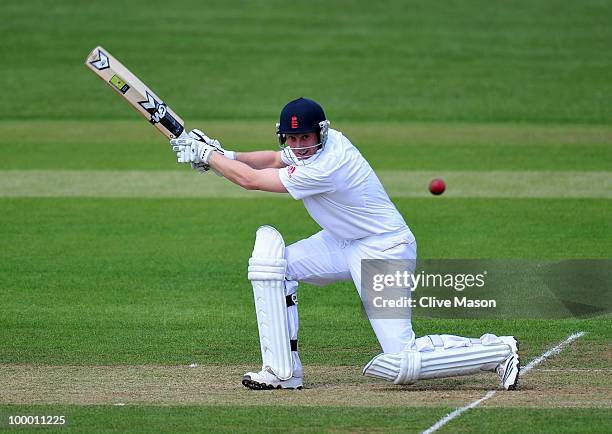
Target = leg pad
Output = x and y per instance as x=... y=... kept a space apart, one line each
x=267 y=268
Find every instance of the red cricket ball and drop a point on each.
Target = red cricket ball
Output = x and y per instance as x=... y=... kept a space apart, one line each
x=437 y=186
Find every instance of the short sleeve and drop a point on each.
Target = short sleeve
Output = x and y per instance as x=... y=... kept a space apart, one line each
x=285 y=158
x=304 y=181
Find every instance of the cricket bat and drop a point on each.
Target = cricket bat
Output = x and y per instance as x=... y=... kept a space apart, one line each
x=135 y=92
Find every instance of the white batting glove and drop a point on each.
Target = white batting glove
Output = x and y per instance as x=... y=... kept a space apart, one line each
x=202 y=168
x=191 y=150
x=199 y=135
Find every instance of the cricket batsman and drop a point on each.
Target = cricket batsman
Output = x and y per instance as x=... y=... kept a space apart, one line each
x=321 y=167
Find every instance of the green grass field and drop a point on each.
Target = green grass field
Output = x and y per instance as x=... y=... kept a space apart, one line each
x=119 y=269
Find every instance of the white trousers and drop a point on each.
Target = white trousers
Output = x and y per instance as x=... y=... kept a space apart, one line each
x=321 y=259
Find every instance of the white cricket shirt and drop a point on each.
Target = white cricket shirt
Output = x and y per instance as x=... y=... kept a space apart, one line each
x=341 y=192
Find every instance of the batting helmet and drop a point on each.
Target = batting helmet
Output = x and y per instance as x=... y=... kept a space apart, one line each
x=302 y=115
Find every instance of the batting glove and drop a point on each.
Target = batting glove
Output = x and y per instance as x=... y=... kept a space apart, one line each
x=191 y=150
x=200 y=136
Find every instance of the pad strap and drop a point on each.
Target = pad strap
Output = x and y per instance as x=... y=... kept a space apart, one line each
x=267 y=268
x=291 y=300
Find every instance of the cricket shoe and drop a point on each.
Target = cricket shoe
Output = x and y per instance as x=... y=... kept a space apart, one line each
x=508 y=370
x=265 y=379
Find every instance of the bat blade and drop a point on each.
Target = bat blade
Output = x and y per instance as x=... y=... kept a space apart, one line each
x=135 y=92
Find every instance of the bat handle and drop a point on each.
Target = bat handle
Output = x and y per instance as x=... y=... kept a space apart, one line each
x=184 y=135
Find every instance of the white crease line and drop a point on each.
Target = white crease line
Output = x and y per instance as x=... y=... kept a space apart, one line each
x=551 y=352
x=452 y=415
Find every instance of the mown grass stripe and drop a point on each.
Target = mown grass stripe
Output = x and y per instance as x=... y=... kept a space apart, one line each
x=262 y=133
x=186 y=184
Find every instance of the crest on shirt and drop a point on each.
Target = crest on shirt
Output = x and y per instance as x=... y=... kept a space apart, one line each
x=290 y=170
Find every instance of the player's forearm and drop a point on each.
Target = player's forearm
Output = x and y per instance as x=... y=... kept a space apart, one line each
x=267 y=179
x=259 y=159
x=236 y=171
